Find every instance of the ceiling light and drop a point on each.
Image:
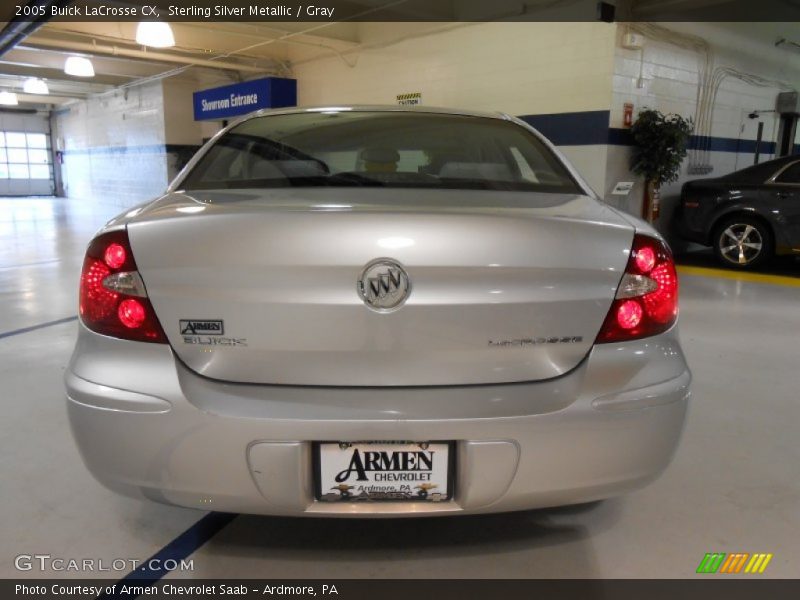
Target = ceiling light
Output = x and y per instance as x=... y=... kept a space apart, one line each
x=33 y=85
x=155 y=33
x=79 y=67
x=8 y=99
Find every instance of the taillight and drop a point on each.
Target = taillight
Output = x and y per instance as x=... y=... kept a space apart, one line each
x=647 y=297
x=113 y=300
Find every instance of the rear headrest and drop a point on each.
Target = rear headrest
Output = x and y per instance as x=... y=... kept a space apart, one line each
x=380 y=155
x=279 y=169
x=301 y=168
x=471 y=170
x=265 y=169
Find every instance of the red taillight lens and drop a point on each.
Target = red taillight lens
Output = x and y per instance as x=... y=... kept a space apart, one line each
x=96 y=301
x=115 y=255
x=647 y=298
x=645 y=259
x=103 y=307
x=131 y=313
x=629 y=314
x=662 y=305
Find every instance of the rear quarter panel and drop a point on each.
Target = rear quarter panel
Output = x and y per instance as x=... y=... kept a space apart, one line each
x=719 y=200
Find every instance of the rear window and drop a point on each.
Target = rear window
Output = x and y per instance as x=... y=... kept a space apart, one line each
x=759 y=173
x=791 y=174
x=382 y=149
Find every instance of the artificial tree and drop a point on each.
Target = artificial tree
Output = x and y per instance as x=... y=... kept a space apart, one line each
x=660 y=147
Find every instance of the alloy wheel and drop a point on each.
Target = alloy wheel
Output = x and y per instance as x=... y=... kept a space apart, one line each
x=740 y=243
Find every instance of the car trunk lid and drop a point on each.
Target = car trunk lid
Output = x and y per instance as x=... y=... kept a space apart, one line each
x=262 y=287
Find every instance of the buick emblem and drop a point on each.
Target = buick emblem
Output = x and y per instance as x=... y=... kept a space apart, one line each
x=384 y=285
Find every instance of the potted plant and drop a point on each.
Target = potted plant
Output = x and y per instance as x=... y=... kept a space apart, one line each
x=660 y=147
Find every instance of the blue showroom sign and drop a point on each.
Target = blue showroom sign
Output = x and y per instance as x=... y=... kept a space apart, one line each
x=241 y=98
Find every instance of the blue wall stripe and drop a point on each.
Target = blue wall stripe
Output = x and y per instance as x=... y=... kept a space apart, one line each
x=35 y=327
x=619 y=137
x=179 y=548
x=718 y=144
x=591 y=128
x=586 y=128
x=622 y=137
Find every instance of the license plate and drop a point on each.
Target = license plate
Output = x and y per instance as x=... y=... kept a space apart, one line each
x=395 y=471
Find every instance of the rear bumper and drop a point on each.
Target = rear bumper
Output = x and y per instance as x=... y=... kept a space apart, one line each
x=148 y=427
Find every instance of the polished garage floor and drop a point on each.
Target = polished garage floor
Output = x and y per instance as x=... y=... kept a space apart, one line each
x=734 y=485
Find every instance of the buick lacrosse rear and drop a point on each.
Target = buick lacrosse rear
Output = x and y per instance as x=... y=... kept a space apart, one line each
x=366 y=311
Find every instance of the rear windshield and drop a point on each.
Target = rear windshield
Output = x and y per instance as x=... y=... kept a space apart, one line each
x=382 y=149
x=757 y=173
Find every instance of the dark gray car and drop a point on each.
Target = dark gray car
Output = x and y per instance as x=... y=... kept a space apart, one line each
x=746 y=216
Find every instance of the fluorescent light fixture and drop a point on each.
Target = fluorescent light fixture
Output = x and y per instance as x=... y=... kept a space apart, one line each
x=395 y=242
x=332 y=206
x=79 y=66
x=8 y=99
x=155 y=33
x=34 y=85
x=329 y=109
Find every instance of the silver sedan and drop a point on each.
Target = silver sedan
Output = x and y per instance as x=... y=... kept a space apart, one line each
x=377 y=311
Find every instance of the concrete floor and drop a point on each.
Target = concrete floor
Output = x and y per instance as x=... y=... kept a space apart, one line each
x=734 y=485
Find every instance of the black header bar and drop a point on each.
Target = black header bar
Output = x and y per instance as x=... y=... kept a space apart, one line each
x=710 y=587
x=321 y=11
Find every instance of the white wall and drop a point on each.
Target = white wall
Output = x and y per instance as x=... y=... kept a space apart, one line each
x=179 y=123
x=114 y=146
x=671 y=77
x=125 y=147
x=182 y=134
x=517 y=68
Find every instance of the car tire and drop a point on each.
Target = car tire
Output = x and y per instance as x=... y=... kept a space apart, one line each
x=742 y=242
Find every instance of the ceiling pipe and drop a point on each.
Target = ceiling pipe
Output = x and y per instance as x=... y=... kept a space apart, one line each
x=20 y=28
x=105 y=50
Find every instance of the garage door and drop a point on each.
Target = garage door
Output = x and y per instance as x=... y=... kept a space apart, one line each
x=26 y=167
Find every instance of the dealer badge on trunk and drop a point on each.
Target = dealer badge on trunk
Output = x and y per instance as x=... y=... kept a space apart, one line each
x=384 y=285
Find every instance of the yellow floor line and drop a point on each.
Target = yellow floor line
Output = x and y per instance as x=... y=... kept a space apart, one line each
x=740 y=276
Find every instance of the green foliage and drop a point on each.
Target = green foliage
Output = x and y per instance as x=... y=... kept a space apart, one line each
x=661 y=142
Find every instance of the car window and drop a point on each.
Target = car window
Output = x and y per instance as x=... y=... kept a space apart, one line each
x=755 y=173
x=387 y=149
x=790 y=174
